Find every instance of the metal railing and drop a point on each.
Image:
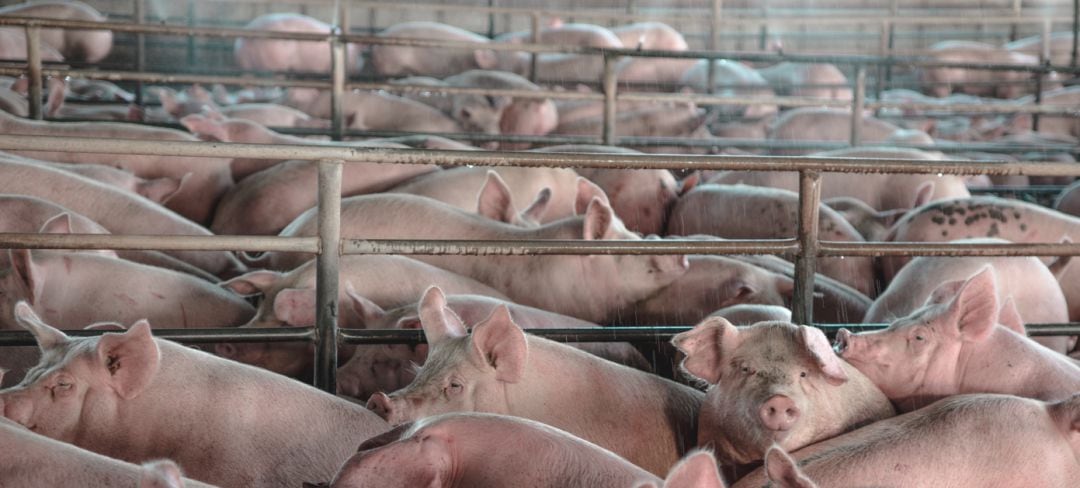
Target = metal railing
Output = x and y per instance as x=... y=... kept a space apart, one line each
x=328 y=246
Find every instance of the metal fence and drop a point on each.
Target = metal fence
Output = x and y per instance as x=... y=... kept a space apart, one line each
x=329 y=246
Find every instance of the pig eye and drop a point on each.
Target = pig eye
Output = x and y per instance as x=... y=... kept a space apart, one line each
x=919 y=338
x=490 y=100
x=466 y=114
x=453 y=388
x=746 y=369
x=802 y=374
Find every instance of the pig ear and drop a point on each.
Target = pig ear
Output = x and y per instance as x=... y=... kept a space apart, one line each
x=55 y=99
x=366 y=310
x=47 y=336
x=205 y=126
x=689 y=182
x=1010 y=317
x=438 y=321
x=295 y=306
x=587 y=191
x=28 y=274
x=132 y=359
x=500 y=343
x=58 y=224
x=944 y=292
x=705 y=346
x=817 y=345
x=975 y=308
x=536 y=210
x=168 y=100
x=486 y=58
x=697 y=470
x=160 y=190
x=783 y=471
x=419 y=352
x=923 y=194
x=599 y=219
x=494 y=201
x=252 y=283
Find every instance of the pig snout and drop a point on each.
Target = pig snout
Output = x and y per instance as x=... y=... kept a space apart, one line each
x=779 y=413
x=384 y=406
x=851 y=347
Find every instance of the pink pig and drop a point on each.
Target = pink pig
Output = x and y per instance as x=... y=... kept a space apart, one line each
x=474 y=449
x=135 y=398
x=774 y=382
x=954 y=344
x=647 y=419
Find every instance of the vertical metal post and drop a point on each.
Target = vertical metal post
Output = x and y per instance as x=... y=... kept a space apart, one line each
x=889 y=51
x=33 y=69
x=191 y=39
x=534 y=26
x=337 y=90
x=802 y=307
x=714 y=45
x=609 y=100
x=1038 y=94
x=140 y=51
x=491 y=20
x=858 y=105
x=326 y=277
x=1014 y=28
x=1044 y=45
x=883 y=49
x=1076 y=31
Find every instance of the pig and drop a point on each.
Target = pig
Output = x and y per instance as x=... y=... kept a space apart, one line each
x=288 y=300
x=833 y=301
x=646 y=419
x=478 y=189
x=954 y=344
x=750 y=314
x=569 y=34
x=986 y=216
x=247 y=131
x=941 y=81
x=1055 y=125
x=90 y=46
x=266 y=201
x=177 y=107
x=65 y=287
x=157 y=190
x=1068 y=201
x=879 y=191
x=97 y=91
x=1035 y=439
x=115 y=210
x=697 y=470
x=392 y=61
x=711 y=283
x=292 y=56
x=823 y=81
x=732 y=79
x=33 y=460
x=14 y=103
x=651 y=36
x=388 y=368
x=376 y=110
x=736 y=211
x=206 y=178
x=1060 y=47
x=1033 y=288
x=824 y=125
x=774 y=382
x=106 y=393
x=456 y=450
x=616 y=280
x=632 y=72
x=485 y=113
x=13 y=47
x=784 y=472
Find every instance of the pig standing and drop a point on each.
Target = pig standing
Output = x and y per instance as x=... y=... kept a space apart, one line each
x=774 y=382
x=287 y=55
x=739 y=211
x=732 y=79
x=499 y=369
x=135 y=398
x=941 y=81
x=823 y=81
x=31 y=460
x=389 y=60
x=472 y=449
x=90 y=46
x=598 y=286
x=953 y=344
x=816 y=125
x=288 y=300
x=389 y=368
x=1060 y=47
x=988 y=440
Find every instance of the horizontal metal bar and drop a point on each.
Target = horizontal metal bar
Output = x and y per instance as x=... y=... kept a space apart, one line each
x=10 y=338
x=567 y=247
x=160 y=242
x=454 y=90
x=190 y=336
x=531 y=159
x=1024 y=190
x=161 y=77
x=850 y=249
x=537 y=48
